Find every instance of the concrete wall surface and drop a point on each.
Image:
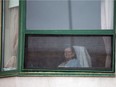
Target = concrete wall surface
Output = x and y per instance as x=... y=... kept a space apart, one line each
x=57 y=82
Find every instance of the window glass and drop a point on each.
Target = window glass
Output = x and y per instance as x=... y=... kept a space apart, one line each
x=69 y=14
x=86 y=14
x=10 y=37
x=57 y=51
x=47 y=14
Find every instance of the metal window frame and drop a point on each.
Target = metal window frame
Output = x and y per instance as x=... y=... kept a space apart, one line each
x=40 y=72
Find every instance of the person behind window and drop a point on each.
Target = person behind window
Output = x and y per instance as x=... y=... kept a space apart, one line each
x=70 y=58
x=76 y=56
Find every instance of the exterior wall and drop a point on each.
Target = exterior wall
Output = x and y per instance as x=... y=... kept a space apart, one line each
x=57 y=82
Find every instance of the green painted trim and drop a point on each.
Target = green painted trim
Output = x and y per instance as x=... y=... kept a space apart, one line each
x=56 y=74
x=1 y=36
x=114 y=38
x=66 y=74
x=71 y=32
x=113 y=53
x=21 y=34
x=8 y=74
x=70 y=70
x=114 y=24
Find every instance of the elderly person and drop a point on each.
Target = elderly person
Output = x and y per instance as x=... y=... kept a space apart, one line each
x=70 y=58
x=76 y=56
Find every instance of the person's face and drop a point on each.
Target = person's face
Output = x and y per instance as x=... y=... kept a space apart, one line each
x=68 y=53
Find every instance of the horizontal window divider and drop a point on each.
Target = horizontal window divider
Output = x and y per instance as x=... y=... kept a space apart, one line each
x=71 y=32
x=92 y=70
x=8 y=73
x=82 y=74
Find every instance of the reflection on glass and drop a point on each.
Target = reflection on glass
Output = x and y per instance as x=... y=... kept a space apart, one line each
x=86 y=14
x=10 y=37
x=69 y=14
x=47 y=14
x=67 y=51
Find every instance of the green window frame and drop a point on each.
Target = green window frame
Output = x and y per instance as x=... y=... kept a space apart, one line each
x=0 y=31
x=23 y=32
x=58 y=72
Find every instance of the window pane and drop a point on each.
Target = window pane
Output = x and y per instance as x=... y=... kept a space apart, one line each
x=69 y=14
x=47 y=14
x=86 y=14
x=43 y=51
x=10 y=37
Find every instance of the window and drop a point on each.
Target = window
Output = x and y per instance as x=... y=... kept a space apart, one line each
x=59 y=38
x=69 y=14
x=48 y=51
x=9 y=36
x=67 y=36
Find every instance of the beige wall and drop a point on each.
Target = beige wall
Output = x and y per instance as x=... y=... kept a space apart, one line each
x=57 y=82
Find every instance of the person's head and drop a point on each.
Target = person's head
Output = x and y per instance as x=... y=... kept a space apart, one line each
x=69 y=53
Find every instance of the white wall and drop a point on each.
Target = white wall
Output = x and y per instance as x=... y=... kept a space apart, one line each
x=57 y=82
